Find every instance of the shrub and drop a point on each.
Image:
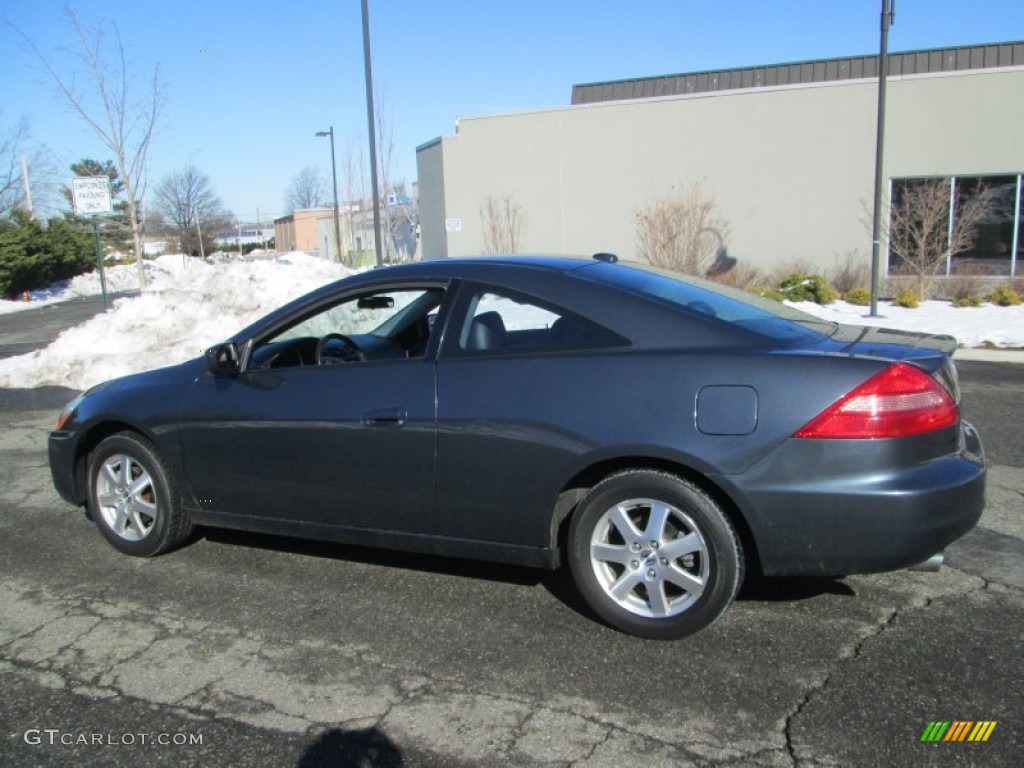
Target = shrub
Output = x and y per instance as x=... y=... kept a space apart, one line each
x=968 y=282
x=861 y=297
x=850 y=272
x=906 y=298
x=766 y=293
x=32 y=256
x=967 y=300
x=740 y=276
x=800 y=287
x=1004 y=296
x=682 y=231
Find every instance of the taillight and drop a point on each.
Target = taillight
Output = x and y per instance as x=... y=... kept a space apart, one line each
x=901 y=400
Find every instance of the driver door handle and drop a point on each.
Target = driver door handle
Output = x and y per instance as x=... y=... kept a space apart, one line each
x=386 y=417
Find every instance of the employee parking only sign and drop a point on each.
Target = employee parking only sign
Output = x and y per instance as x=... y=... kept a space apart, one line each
x=90 y=195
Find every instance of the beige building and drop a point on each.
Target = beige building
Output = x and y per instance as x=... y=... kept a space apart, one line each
x=304 y=230
x=787 y=151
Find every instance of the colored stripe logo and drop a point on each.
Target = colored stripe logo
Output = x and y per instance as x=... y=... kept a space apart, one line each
x=958 y=730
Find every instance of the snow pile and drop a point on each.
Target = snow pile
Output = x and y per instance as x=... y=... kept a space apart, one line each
x=987 y=325
x=187 y=306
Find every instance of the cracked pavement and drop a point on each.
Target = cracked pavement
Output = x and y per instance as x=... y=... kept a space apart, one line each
x=283 y=652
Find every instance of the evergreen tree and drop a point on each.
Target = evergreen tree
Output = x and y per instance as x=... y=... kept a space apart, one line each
x=33 y=256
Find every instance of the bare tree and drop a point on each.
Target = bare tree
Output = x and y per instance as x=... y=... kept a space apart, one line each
x=354 y=170
x=123 y=123
x=353 y=174
x=187 y=203
x=503 y=220
x=306 y=190
x=385 y=172
x=683 y=232
x=922 y=235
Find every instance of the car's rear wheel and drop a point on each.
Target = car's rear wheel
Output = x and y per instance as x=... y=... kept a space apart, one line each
x=654 y=555
x=133 y=498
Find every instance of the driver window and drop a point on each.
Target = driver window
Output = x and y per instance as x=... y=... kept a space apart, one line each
x=380 y=325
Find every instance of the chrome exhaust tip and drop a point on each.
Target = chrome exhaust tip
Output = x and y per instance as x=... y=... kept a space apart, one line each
x=931 y=565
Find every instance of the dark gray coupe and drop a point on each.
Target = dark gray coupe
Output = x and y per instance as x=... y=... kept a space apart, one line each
x=661 y=434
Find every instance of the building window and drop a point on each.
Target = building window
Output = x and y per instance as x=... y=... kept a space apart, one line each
x=965 y=225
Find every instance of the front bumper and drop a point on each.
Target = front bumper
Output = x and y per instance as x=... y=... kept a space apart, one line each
x=62 y=448
x=836 y=507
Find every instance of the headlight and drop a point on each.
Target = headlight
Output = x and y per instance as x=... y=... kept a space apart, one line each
x=68 y=411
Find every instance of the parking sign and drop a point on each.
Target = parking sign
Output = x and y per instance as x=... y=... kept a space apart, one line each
x=90 y=195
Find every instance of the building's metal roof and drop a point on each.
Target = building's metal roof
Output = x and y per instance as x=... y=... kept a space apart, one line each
x=822 y=70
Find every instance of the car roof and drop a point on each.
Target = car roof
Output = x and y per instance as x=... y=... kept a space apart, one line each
x=448 y=268
x=469 y=265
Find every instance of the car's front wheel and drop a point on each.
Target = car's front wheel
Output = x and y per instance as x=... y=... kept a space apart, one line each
x=133 y=498
x=654 y=555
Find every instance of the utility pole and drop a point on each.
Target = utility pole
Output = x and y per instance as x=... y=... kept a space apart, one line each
x=888 y=18
x=199 y=231
x=28 y=186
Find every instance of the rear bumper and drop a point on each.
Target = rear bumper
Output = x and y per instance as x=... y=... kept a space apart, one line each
x=811 y=513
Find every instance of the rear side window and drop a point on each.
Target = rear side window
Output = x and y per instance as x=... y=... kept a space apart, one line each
x=710 y=300
x=503 y=322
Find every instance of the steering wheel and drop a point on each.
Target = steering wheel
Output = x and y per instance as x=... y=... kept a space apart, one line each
x=349 y=351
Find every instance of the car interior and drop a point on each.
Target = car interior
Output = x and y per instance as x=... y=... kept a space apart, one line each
x=381 y=326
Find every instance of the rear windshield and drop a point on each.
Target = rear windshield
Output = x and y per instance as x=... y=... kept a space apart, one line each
x=768 y=318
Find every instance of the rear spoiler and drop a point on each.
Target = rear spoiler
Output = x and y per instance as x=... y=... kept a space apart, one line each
x=857 y=336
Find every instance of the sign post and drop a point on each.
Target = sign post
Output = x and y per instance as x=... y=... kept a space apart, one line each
x=91 y=197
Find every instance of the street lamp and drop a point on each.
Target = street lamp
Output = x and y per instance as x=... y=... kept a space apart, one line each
x=334 y=178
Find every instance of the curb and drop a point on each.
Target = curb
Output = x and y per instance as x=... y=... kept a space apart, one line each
x=983 y=354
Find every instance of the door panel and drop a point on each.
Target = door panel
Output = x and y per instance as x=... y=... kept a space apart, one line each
x=517 y=412
x=348 y=445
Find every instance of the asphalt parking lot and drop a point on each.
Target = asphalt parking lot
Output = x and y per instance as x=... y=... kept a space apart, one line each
x=253 y=650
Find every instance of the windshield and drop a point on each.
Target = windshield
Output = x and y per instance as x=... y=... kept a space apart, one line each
x=765 y=317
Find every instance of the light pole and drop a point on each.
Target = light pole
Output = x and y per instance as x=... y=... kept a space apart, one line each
x=334 y=178
x=888 y=18
x=370 y=129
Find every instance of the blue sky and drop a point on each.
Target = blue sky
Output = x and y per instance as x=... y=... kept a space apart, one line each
x=250 y=82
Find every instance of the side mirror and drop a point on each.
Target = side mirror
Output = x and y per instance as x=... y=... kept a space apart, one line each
x=223 y=359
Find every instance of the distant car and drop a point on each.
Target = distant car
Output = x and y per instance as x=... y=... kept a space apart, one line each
x=661 y=434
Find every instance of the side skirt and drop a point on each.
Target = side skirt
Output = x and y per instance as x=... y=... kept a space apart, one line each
x=533 y=557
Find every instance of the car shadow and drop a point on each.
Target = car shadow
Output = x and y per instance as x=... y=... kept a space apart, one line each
x=558 y=583
x=789 y=589
x=391 y=558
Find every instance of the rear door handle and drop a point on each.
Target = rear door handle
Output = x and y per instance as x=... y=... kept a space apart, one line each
x=386 y=417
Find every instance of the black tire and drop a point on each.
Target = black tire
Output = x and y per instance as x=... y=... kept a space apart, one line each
x=676 y=568
x=133 y=498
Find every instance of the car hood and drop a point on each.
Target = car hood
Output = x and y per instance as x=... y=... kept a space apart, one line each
x=177 y=374
x=149 y=397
